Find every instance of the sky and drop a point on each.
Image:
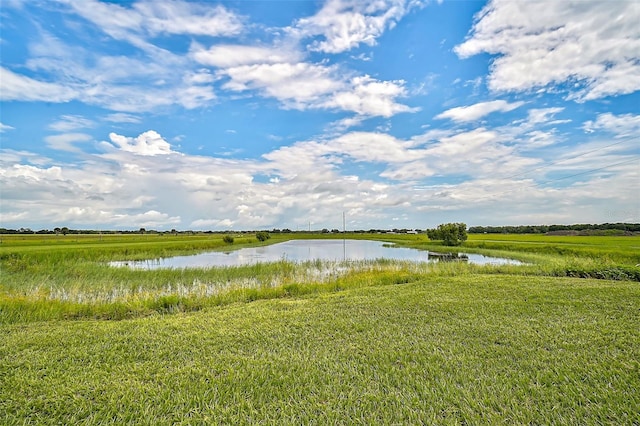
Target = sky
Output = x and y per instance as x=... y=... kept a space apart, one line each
x=246 y=115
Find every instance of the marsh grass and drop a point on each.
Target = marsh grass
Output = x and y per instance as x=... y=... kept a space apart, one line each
x=118 y=293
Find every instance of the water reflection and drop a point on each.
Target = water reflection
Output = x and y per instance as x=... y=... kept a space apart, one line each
x=307 y=250
x=448 y=257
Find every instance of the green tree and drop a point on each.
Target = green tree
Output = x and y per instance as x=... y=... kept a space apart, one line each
x=451 y=234
x=228 y=239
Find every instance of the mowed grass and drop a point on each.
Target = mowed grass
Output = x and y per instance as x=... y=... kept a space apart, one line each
x=467 y=349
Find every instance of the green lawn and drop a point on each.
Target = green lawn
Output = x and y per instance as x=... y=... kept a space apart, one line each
x=439 y=350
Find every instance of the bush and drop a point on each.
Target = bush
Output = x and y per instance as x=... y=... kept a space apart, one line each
x=451 y=234
x=228 y=239
x=262 y=236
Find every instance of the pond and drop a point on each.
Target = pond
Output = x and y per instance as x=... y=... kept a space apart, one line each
x=307 y=250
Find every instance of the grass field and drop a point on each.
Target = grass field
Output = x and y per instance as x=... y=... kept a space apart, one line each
x=383 y=343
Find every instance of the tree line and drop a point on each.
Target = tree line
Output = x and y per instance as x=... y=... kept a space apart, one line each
x=544 y=229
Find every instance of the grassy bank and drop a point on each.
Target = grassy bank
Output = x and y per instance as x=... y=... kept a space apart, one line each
x=474 y=349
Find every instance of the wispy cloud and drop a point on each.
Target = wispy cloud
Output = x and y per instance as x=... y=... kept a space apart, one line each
x=66 y=141
x=67 y=123
x=5 y=127
x=229 y=56
x=479 y=110
x=151 y=18
x=543 y=115
x=120 y=117
x=19 y=87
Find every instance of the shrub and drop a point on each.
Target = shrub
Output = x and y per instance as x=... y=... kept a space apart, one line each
x=228 y=239
x=262 y=236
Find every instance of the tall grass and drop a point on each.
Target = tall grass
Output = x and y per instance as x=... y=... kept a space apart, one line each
x=117 y=293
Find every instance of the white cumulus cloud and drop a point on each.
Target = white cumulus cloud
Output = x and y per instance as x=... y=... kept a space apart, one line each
x=621 y=125
x=593 y=46
x=316 y=86
x=345 y=24
x=148 y=143
x=370 y=97
x=298 y=84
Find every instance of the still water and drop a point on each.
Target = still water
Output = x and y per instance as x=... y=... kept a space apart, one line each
x=306 y=250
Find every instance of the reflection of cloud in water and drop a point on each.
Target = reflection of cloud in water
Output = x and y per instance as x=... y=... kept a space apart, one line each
x=309 y=250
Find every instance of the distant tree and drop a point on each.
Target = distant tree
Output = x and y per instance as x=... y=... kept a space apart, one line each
x=64 y=230
x=142 y=230
x=228 y=239
x=451 y=234
x=262 y=236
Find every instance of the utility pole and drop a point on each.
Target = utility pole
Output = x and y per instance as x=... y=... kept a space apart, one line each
x=344 y=238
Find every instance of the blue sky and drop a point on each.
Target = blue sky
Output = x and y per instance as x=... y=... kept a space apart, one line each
x=211 y=115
